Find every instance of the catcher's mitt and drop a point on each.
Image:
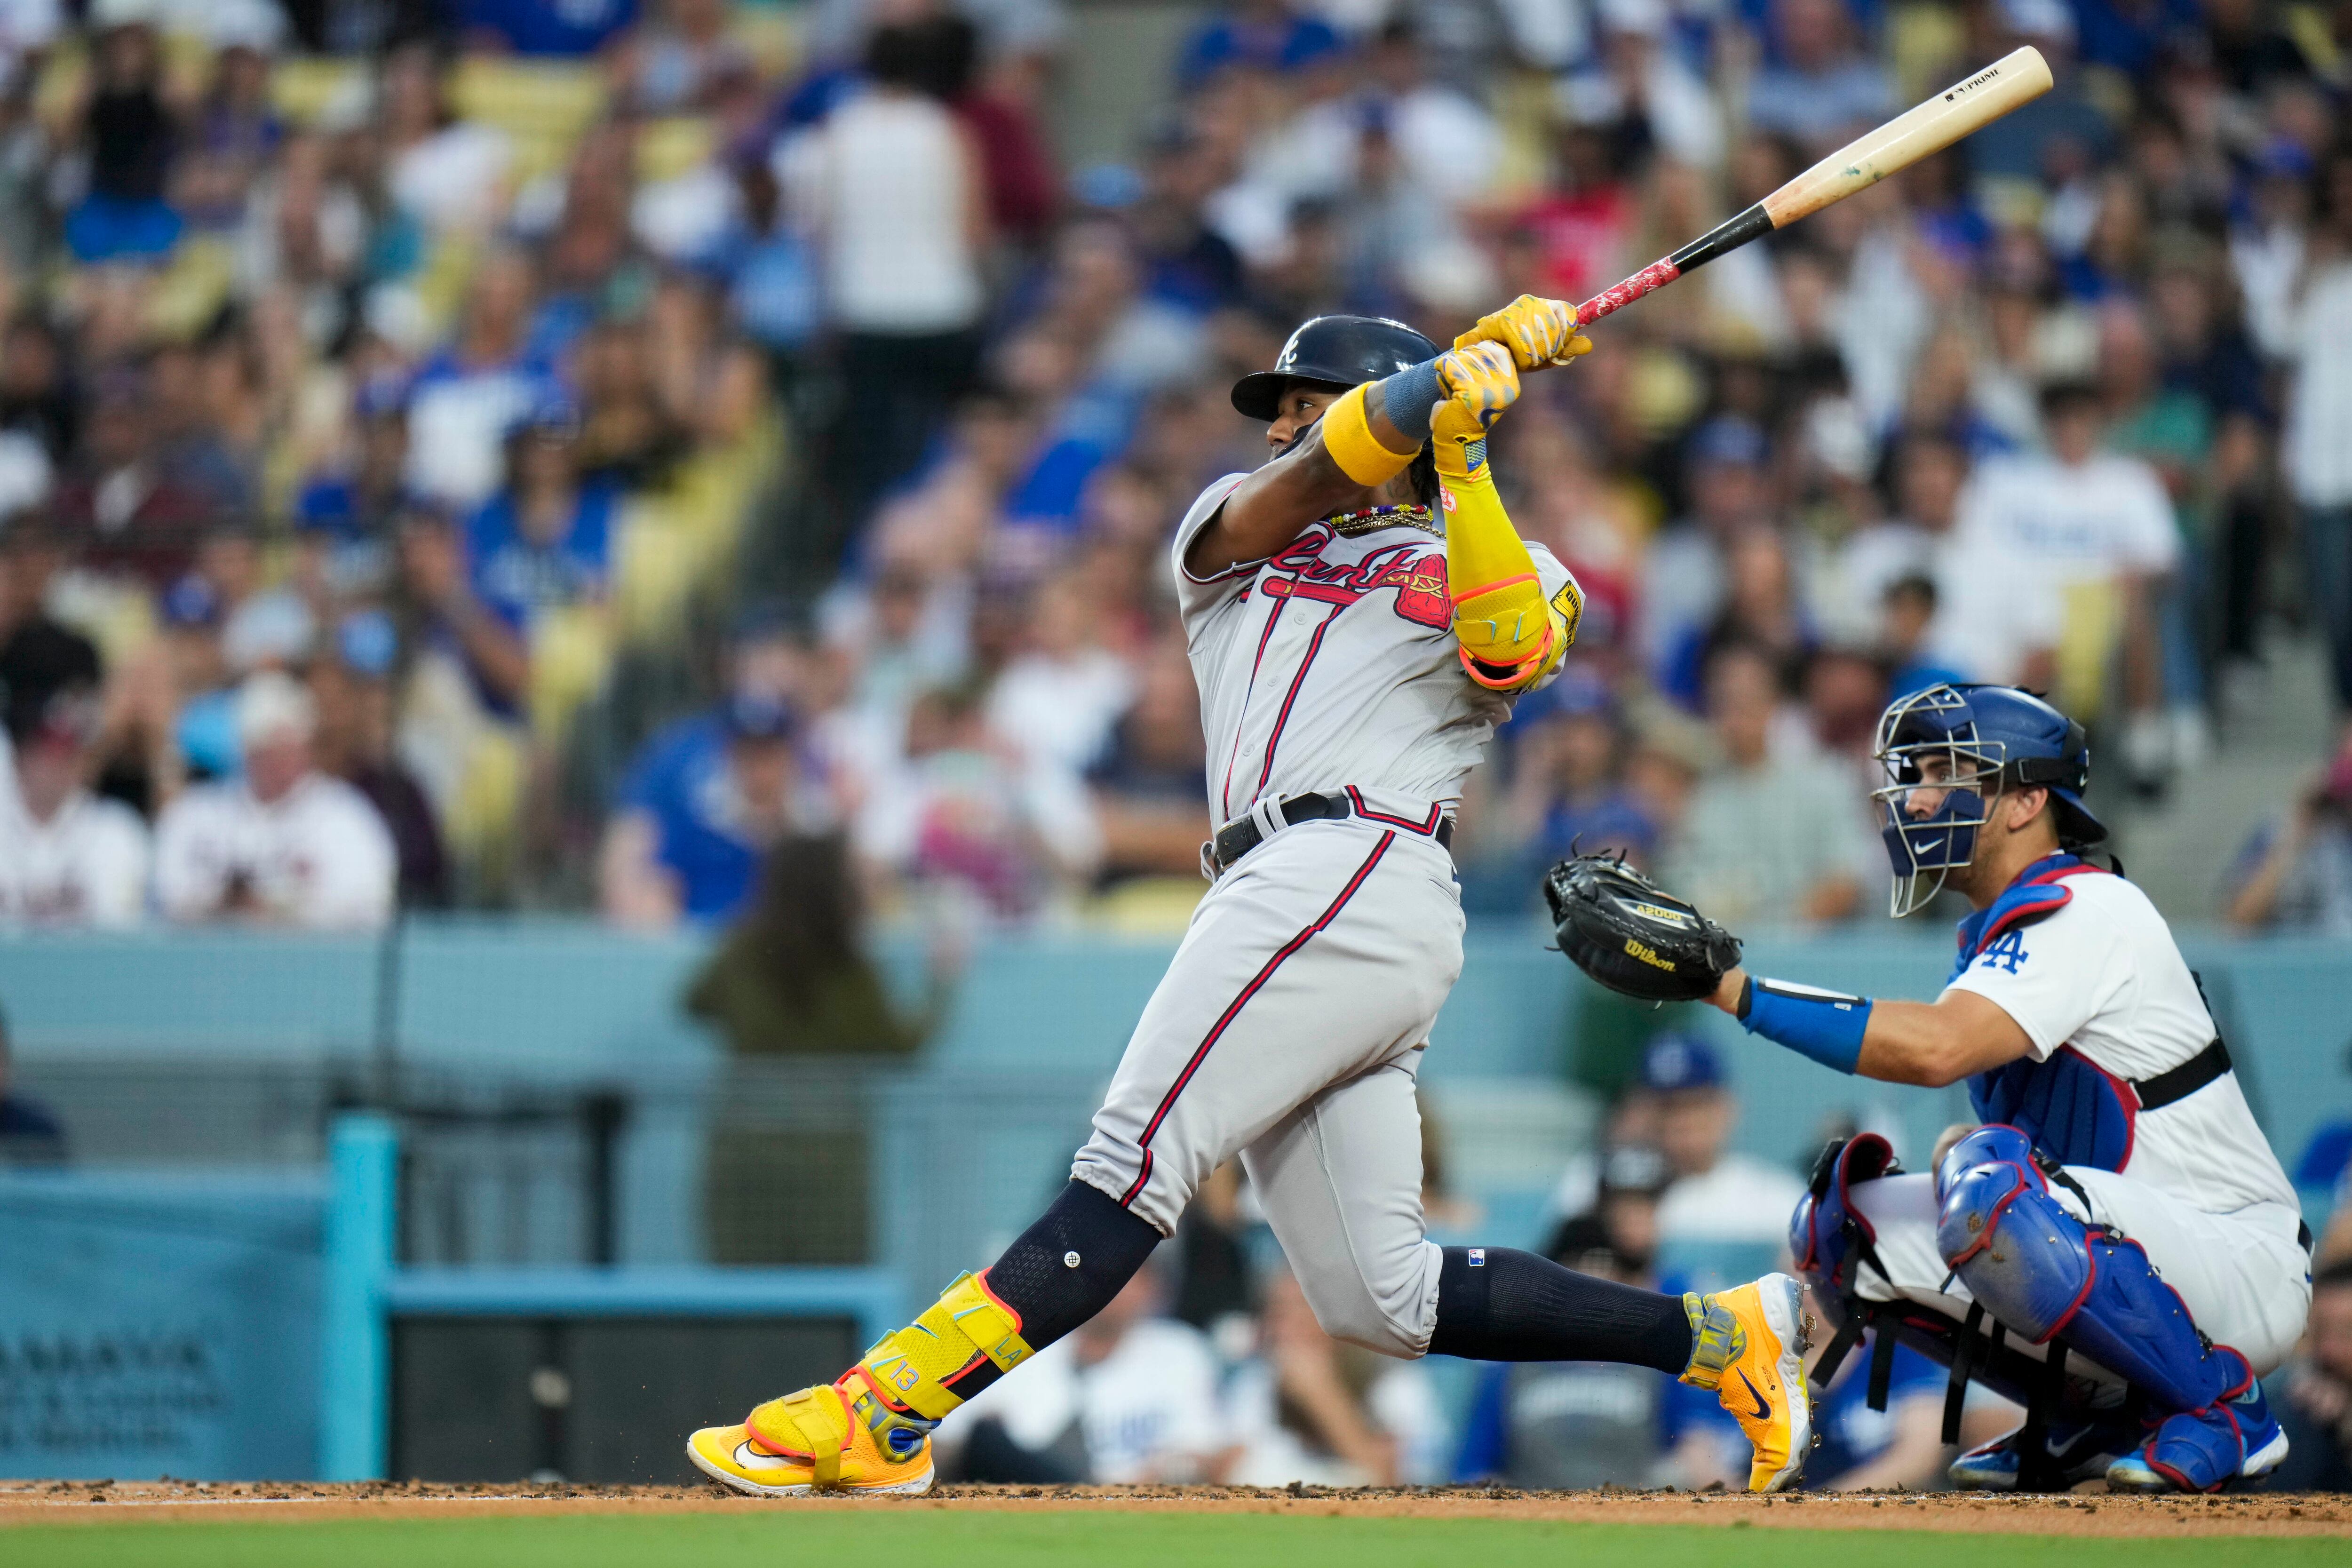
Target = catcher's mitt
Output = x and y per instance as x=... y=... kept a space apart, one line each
x=1621 y=931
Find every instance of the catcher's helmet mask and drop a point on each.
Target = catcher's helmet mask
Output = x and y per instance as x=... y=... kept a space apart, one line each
x=1982 y=741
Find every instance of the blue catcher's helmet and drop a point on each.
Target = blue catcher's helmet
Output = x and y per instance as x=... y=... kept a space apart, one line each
x=1974 y=742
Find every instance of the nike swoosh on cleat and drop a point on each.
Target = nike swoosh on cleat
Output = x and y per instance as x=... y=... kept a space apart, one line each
x=1763 y=1410
x=753 y=1458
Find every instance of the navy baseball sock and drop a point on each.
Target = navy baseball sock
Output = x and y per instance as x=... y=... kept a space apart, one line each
x=1064 y=1269
x=1497 y=1303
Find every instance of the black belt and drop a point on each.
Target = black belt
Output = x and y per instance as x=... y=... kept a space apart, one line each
x=2179 y=1083
x=1242 y=835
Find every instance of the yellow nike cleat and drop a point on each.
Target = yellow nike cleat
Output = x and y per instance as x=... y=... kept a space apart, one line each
x=1748 y=1346
x=818 y=1440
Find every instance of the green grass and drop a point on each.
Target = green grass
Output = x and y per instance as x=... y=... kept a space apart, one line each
x=1089 y=1539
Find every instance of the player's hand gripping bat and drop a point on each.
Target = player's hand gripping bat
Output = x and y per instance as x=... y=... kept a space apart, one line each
x=1969 y=105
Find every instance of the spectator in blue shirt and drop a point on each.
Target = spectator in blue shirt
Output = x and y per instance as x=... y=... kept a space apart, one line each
x=557 y=27
x=545 y=540
x=1260 y=35
x=346 y=516
x=698 y=808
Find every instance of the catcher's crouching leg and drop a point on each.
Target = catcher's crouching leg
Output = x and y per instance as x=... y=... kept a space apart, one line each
x=2049 y=1276
x=1836 y=1244
x=870 y=1430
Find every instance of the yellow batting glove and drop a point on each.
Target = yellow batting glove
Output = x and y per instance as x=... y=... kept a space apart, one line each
x=1482 y=377
x=1457 y=440
x=1538 y=331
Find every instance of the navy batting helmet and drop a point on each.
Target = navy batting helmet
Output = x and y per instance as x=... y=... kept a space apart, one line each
x=1990 y=739
x=1333 y=350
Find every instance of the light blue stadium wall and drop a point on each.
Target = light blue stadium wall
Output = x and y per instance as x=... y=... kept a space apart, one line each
x=975 y=1134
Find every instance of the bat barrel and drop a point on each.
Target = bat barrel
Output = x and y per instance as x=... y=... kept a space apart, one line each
x=1921 y=132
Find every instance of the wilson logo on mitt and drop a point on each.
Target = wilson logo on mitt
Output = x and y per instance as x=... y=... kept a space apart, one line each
x=1617 y=926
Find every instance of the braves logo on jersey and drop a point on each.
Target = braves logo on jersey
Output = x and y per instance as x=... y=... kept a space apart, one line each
x=1300 y=572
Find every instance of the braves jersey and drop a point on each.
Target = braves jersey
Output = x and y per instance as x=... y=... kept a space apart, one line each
x=2101 y=978
x=85 y=866
x=1333 y=663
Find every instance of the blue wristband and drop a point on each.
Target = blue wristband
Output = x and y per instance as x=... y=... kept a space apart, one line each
x=1409 y=397
x=1826 y=1026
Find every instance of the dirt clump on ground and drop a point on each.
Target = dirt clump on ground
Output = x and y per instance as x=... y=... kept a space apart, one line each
x=2088 y=1512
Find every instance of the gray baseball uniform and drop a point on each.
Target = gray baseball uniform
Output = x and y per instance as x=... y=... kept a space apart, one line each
x=1289 y=1027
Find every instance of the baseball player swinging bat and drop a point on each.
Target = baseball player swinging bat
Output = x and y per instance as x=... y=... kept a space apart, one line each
x=1970 y=105
x=1360 y=613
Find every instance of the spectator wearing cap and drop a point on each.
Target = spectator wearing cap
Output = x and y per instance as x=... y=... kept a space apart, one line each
x=1684 y=572
x=68 y=857
x=1716 y=1193
x=345 y=517
x=1777 y=833
x=693 y=818
x=542 y=544
x=545 y=540
x=670 y=848
x=351 y=685
x=284 y=845
x=2294 y=873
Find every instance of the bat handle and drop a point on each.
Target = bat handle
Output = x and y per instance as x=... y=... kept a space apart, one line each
x=1656 y=275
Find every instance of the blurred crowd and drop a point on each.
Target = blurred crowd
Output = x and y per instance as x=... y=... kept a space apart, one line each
x=507 y=454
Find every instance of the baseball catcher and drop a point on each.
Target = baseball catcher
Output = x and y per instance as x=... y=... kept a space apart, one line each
x=2116 y=1247
x=1361 y=614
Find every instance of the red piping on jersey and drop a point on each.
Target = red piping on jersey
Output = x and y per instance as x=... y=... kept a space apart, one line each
x=1231 y=1012
x=2027 y=911
x=1314 y=647
x=1225 y=790
x=1436 y=814
x=2127 y=1096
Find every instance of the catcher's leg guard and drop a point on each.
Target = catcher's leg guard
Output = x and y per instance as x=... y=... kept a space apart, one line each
x=2048 y=1276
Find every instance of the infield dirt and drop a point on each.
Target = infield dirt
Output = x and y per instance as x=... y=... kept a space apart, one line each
x=2092 y=1514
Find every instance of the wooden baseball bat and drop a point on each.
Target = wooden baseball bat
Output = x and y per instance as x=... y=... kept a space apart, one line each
x=1970 y=105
